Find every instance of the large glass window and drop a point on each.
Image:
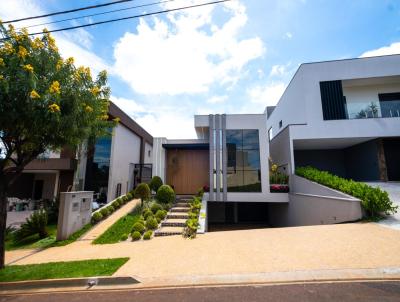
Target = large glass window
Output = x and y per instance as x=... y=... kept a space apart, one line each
x=97 y=168
x=244 y=173
x=390 y=104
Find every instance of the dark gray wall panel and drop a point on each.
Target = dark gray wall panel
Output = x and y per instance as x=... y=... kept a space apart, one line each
x=362 y=161
x=326 y=160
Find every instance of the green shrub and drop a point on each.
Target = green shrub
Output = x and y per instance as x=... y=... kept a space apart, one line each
x=374 y=201
x=104 y=212
x=138 y=227
x=165 y=194
x=161 y=214
x=151 y=223
x=147 y=235
x=136 y=235
x=142 y=191
x=117 y=203
x=111 y=209
x=146 y=213
x=129 y=196
x=96 y=217
x=155 y=207
x=124 y=237
x=190 y=230
x=200 y=192
x=35 y=224
x=155 y=183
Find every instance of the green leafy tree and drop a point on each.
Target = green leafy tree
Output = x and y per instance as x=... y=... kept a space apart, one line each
x=45 y=103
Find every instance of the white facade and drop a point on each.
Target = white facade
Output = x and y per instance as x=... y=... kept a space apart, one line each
x=125 y=150
x=363 y=79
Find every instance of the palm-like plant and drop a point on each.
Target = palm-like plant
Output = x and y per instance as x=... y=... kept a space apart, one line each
x=35 y=224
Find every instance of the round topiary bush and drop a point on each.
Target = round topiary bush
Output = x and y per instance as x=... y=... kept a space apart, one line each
x=116 y=204
x=142 y=191
x=146 y=213
x=129 y=196
x=161 y=214
x=155 y=183
x=138 y=227
x=165 y=194
x=151 y=223
x=155 y=208
x=136 y=236
x=147 y=235
x=96 y=217
x=124 y=237
x=111 y=209
x=104 y=212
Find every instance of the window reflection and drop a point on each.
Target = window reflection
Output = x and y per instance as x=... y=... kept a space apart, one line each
x=97 y=168
x=243 y=161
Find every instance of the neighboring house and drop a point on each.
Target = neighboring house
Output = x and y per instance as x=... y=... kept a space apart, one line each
x=342 y=116
x=113 y=166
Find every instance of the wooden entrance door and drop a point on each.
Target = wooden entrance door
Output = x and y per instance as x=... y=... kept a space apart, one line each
x=187 y=170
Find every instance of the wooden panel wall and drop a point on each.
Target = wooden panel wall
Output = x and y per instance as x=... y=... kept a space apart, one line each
x=187 y=170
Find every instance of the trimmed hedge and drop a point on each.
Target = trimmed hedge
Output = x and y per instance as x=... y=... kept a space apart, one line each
x=155 y=208
x=136 y=236
x=142 y=191
x=151 y=223
x=165 y=194
x=96 y=217
x=155 y=183
x=138 y=227
x=374 y=201
x=147 y=235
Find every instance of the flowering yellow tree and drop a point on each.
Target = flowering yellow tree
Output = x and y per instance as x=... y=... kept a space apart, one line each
x=45 y=103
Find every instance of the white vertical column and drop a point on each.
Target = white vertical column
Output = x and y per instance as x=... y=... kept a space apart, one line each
x=211 y=120
x=224 y=159
x=217 y=159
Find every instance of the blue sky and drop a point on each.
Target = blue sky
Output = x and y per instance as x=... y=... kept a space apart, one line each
x=236 y=57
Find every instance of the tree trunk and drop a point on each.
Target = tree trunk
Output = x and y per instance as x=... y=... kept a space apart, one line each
x=3 y=220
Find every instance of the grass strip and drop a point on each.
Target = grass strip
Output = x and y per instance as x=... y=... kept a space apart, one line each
x=122 y=226
x=74 y=236
x=58 y=270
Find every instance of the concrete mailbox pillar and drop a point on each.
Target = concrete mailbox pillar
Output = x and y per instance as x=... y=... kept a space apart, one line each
x=75 y=211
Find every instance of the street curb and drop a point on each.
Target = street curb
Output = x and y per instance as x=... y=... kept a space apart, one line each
x=120 y=283
x=55 y=285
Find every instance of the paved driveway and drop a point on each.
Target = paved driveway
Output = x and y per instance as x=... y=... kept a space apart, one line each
x=393 y=189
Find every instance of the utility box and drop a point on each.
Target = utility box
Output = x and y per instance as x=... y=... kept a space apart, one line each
x=74 y=212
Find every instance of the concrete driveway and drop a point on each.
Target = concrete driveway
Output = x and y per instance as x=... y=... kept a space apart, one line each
x=393 y=189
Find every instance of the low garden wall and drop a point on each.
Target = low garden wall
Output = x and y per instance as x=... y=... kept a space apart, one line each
x=313 y=204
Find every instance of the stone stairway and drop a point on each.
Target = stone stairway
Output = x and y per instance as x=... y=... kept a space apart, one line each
x=176 y=219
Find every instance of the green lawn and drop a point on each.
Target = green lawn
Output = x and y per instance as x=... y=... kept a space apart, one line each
x=34 y=242
x=55 y=270
x=121 y=226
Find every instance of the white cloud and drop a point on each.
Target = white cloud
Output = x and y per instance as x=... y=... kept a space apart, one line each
x=289 y=35
x=217 y=99
x=267 y=95
x=393 y=48
x=130 y=107
x=277 y=70
x=69 y=43
x=180 y=56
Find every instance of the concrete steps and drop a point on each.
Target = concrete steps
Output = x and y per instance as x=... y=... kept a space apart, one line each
x=174 y=223
x=175 y=220
x=168 y=231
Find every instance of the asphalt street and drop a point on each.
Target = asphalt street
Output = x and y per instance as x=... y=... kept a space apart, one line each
x=381 y=291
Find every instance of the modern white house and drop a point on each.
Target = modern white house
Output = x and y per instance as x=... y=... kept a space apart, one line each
x=342 y=116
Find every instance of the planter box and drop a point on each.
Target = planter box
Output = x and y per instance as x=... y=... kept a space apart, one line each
x=279 y=188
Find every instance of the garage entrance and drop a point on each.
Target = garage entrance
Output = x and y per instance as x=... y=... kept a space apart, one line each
x=187 y=170
x=392 y=156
